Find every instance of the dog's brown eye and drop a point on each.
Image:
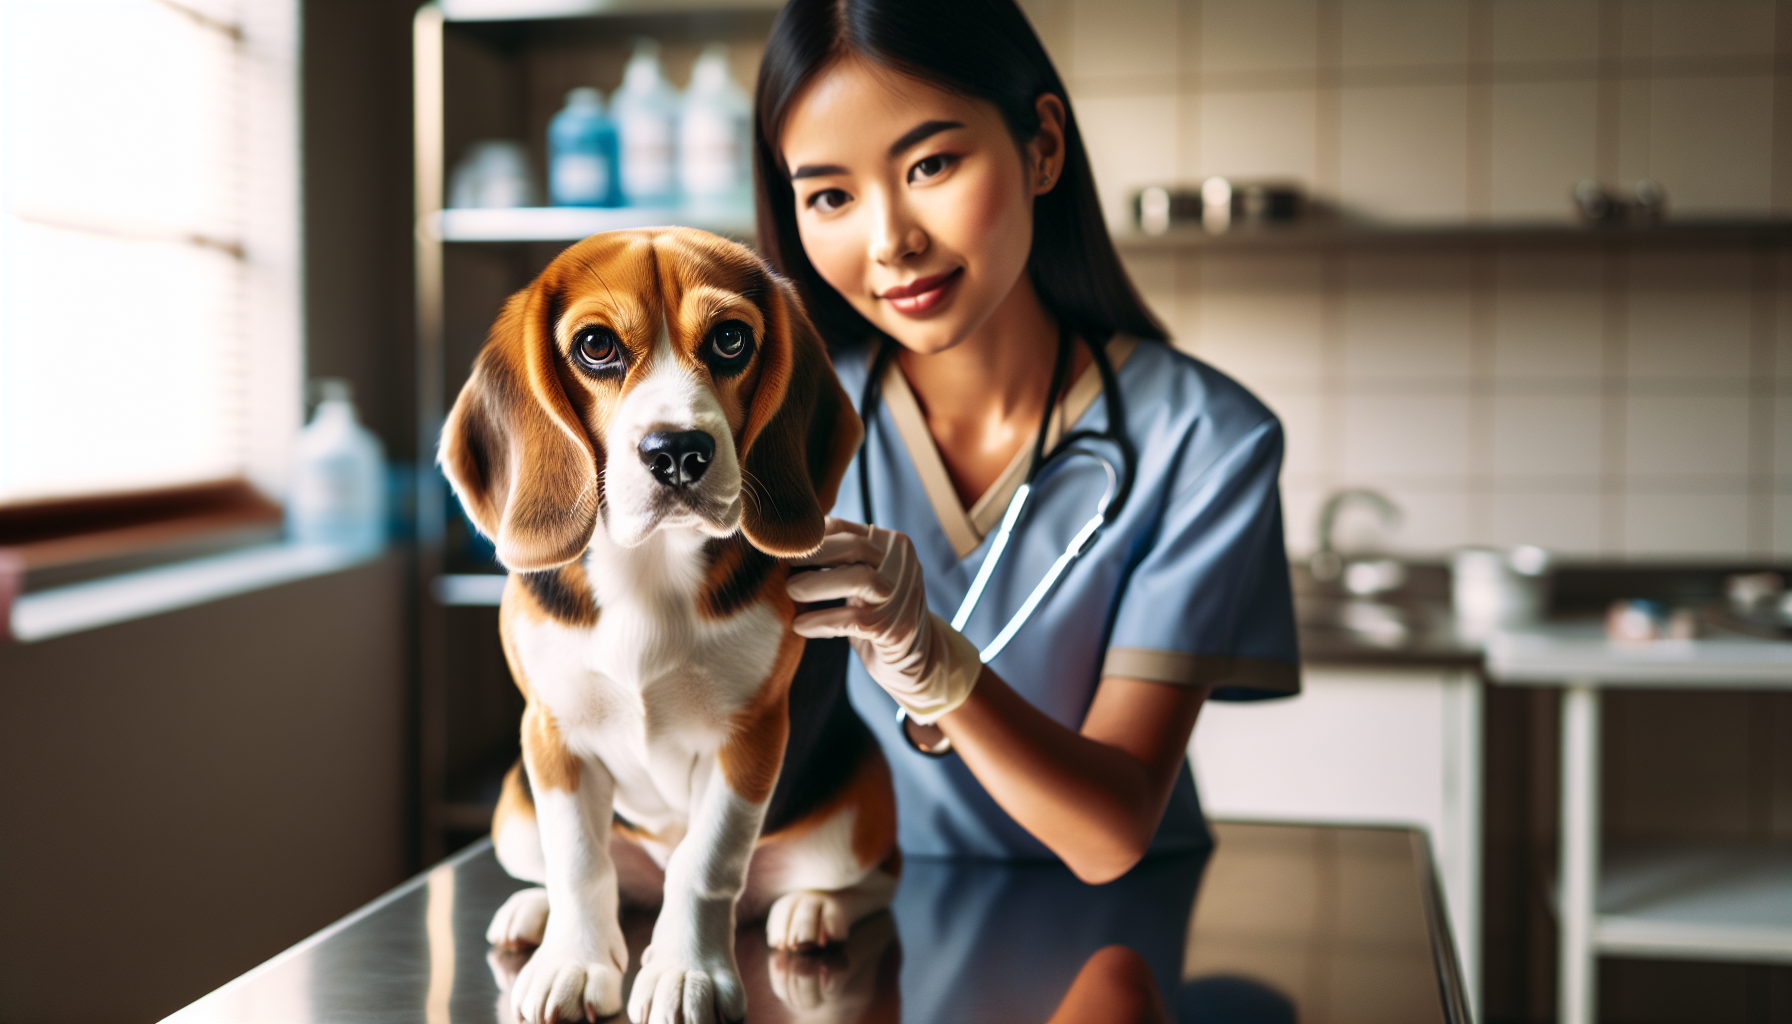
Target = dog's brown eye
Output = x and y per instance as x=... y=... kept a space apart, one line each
x=729 y=345
x=597 y=350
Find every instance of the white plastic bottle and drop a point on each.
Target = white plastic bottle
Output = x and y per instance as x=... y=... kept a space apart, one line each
x=339 y=477
x=715 y=137
x=645 y=110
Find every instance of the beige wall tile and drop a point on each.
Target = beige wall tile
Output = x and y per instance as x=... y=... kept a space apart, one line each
x=1782 y=523
x=1259 y=135
x=1635 y=128
x=1406 y=316
x=1565 y=522
x=1260 y=316
x=1782 y=438
x=1132 y=143
x=1259 y=35
x=1548 y=316
x=1701 y=28
x=1386 y=33
x=1669 y=525
x=1405 y=152
x=1546 y=436
x=1527 y=30
x=1301 y=502
x=1303 y=424
x=1711 y=144
x=1435 y=519
x=1122 y=38
x=1154 y=275
x=1544 y=140
x=1395 y=439
x=1681 y=436
x=1689 y=315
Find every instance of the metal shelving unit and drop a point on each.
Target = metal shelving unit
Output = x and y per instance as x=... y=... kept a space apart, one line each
x=550 y=31
x=1731 y=902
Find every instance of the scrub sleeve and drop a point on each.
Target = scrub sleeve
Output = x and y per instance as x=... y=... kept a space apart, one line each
x=1188 y=586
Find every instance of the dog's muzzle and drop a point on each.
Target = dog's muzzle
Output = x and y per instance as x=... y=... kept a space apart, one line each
x=677 y=459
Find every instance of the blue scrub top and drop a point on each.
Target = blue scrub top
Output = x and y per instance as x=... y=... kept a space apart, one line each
x=1188 y=586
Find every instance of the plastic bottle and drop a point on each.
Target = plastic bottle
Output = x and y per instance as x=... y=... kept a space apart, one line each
x=645 y=110
x=582 y=153
x=339 y=477
x=715 y=136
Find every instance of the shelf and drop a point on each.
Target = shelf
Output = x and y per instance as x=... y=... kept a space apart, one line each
x=571 y=223
x=1361 y=235
x=1705 y=903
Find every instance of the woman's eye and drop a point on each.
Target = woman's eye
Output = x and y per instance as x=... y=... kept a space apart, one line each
x=828 y=200
x=729 y=346
x=930 y=167
x=598 y=349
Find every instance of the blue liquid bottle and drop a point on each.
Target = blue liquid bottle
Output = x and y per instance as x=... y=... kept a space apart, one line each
x=582 y=153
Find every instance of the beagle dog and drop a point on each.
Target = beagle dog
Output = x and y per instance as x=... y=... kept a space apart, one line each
x=651 y=430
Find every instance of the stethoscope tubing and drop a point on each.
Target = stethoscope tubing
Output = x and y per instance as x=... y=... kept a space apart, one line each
x=1119 y=484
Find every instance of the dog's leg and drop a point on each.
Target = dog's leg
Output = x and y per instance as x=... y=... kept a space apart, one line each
x=516 y=837
x=824 y=872
x=577 y=971
x=808 y=918
x=689 y=968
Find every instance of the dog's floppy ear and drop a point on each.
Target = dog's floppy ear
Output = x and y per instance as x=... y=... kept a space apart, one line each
x=513 y=446
x=801 y=433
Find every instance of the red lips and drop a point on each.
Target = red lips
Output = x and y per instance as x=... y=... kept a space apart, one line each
x=922 y=294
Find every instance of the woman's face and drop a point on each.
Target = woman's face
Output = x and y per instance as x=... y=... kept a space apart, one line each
x=913 y=202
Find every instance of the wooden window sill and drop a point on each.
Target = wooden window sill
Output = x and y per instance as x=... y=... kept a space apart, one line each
x=76 y=564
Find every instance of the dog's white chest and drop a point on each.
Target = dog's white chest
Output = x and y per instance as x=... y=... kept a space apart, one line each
x=651 y=691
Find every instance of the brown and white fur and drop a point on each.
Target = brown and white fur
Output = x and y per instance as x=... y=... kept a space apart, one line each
x=647 y=625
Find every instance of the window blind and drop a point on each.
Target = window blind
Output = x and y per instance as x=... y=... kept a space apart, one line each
x=149 y=313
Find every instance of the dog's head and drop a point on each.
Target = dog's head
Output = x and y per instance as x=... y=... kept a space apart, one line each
x=649 y=379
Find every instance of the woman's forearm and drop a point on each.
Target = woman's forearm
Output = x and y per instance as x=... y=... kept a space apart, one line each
x=1093 y=797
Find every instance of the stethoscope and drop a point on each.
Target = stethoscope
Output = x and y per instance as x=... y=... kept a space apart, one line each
x=1113 y=498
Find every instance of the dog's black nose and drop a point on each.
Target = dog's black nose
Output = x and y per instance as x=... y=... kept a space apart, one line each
x=678 y=458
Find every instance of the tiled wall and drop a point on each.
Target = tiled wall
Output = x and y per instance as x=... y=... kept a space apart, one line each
x=1633 y=400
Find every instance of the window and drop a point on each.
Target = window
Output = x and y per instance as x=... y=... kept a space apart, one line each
x=150 y=324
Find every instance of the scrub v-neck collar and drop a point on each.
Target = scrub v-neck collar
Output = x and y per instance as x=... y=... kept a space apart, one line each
x=966 y=528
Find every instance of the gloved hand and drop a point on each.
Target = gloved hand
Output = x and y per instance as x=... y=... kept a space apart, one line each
x=925 y=664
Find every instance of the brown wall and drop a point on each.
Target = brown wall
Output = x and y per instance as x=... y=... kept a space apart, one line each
x=188 y=794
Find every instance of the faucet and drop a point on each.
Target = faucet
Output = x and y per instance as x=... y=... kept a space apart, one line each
x=1327 y=564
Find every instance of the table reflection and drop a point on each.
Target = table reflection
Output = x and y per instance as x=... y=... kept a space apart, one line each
x=1332 y=921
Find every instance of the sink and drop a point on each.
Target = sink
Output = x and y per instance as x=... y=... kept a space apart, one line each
x=1378 y=623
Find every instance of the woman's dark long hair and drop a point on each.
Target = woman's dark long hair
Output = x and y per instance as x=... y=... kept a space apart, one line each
x=979 y=48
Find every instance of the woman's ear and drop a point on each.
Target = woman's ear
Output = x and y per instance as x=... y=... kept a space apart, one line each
x=1045 y=154
x=513 y=447
x=800 y=435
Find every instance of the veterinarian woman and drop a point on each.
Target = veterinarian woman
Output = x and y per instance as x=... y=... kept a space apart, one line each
x=921 y=177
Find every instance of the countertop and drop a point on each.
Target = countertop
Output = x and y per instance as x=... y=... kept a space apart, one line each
x=1279 y=923
x=1414 y=627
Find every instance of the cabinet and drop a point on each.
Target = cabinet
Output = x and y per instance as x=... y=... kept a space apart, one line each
x=487 y=70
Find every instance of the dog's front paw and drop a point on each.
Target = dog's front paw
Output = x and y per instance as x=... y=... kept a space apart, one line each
x=560 y=984
x=672 y=988
x=802 y=920
x=520 y=921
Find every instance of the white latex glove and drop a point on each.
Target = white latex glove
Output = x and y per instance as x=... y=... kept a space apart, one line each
x=925 y=664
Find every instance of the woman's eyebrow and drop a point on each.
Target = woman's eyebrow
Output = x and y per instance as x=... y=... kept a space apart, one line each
x=921 y=131
x=925 y=129
x=816 y=171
